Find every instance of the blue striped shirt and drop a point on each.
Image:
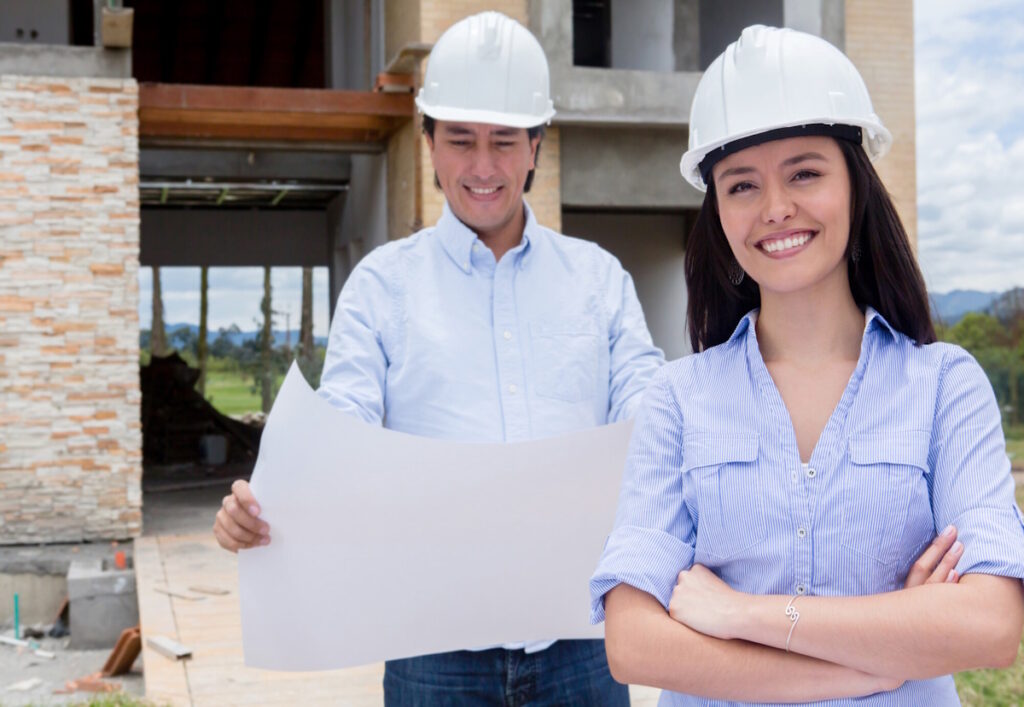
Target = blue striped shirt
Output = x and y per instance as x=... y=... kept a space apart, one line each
x=432 y=337
x=714 y=477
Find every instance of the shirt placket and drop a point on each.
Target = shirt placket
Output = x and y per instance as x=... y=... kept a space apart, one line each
x=508 y=345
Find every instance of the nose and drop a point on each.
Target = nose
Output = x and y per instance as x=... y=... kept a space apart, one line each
x=484 y=162
x=777 y=204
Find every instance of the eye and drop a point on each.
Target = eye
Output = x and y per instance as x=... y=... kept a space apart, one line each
x=740 y=187
x=805 y=174
x=458 y=143
x=506 y=143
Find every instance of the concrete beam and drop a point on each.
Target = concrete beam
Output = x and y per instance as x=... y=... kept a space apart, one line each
x=233 y=237
x=245 y=164
x=65 y=62
x=588 y=96
x=636 y=168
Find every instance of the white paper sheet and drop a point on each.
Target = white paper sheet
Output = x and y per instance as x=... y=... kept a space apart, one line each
x=386 y=545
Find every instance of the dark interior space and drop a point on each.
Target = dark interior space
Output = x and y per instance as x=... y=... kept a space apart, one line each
x=262 y=43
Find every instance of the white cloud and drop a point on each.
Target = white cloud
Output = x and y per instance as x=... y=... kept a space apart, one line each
x=970 y=142
x=234 y=297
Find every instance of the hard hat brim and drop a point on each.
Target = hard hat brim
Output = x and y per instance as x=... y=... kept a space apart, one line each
x=876 y=143
x=468 y=115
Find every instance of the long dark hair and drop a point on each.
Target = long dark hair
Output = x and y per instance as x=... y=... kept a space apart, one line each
x=885 y=276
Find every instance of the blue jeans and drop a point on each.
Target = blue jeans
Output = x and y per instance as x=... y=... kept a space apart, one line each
x=568 y=674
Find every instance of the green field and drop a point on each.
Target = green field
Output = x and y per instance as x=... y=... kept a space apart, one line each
x=231 y=391
x=1015 y=446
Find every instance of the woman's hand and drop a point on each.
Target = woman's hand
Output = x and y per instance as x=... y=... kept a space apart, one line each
x=705 y=603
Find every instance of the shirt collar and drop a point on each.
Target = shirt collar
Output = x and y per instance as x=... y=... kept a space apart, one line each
x=873 y=320
x=457 y=238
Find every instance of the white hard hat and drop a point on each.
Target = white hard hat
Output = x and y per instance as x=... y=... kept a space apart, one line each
x=773 y=83
x=487 y=68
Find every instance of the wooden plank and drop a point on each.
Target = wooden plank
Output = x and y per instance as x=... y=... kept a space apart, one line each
x=165 y=681
x=231 y=112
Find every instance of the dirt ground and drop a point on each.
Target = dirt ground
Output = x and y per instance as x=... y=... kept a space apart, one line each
x=18 y=665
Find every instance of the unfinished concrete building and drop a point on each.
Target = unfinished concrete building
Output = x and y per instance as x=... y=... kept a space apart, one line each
x=283 y=133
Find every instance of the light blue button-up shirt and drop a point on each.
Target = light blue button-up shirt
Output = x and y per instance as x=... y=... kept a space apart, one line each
x=432 y=337
x=714 y=477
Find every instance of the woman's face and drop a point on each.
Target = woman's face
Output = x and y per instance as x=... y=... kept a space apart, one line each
x=785 y=209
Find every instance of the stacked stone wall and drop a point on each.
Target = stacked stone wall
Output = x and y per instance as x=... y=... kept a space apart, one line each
x=70 y=434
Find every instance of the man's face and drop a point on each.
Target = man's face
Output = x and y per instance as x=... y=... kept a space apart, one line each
x=482 y=169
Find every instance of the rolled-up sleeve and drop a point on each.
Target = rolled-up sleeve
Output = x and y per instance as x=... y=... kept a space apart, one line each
x=653 y=537
x=972 y=487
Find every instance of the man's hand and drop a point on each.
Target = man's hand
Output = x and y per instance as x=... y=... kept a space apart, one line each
x=936 y=563
x=238 y=526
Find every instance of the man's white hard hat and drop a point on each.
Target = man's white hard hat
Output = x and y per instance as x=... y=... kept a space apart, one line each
x=487 y=68
x=773 y=83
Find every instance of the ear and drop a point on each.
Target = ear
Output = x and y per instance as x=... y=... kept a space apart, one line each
x=534 y=144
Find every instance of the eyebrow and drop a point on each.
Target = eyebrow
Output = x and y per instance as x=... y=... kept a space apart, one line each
x=459 y=130
x=788 y=162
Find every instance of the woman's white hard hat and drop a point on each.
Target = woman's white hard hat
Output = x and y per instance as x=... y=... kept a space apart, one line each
x=777 y=83
x=487 y=68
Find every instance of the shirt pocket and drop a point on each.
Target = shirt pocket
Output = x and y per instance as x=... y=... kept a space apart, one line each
x=565 y=361
x=886 y=512
x=727 y=485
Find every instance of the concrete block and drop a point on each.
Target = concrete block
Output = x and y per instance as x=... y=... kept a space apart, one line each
x=103 y=602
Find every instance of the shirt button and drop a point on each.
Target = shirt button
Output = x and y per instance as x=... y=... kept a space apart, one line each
x=800 y=589
x=465 y=266
x=794 y=476
x=811 y=473
x=512 y=388
x=801 y=532
x=507 y=335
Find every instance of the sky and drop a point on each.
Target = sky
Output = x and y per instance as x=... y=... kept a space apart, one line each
x=969 y=75
x=234 y=297
x=969 y=66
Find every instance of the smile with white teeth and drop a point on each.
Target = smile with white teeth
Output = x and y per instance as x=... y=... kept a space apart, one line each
x=784 y=244
x=483 y=191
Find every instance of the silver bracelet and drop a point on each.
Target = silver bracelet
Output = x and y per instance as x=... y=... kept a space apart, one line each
x=793 y=616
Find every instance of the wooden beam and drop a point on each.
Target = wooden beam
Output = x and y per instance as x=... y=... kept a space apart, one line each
x=283 y=114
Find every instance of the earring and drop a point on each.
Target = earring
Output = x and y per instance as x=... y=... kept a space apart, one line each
x=736 y=273
x=855 y=251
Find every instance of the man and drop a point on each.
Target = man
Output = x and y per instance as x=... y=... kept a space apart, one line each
x=486 y=327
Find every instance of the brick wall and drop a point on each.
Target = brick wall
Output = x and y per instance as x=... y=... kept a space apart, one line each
x=880 y=41
x=70 y=447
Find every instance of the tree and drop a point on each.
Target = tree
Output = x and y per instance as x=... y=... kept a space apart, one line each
x=158 y=338
x=266 y=344
x=201 y=345
x=1009 y=310
x=307 y=356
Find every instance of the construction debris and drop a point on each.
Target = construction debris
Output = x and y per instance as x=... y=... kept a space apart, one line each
x=88 y=683
x=169 y=647
x=175 y=417
x=25 y=685
x=215 y=591
x=126 y=650
x=178 y=594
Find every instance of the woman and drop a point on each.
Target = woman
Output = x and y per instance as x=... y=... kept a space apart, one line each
x=781 y=482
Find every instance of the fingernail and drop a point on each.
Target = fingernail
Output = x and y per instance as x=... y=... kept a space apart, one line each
x=951 y=576
x=264 y=540
x=948 y=531
x=265 y=530
x=253 y=510
x=957 y=547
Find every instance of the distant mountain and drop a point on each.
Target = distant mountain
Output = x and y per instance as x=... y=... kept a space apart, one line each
x=950 y=307
x=236 y=338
